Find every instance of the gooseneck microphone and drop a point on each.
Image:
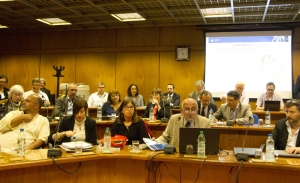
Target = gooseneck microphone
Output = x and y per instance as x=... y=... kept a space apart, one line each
x=55 y=152
x=244 y=156
x=164 y=119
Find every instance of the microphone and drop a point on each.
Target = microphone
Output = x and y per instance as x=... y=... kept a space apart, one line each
x=164 y=119
x=244 y=156
x=55 y=152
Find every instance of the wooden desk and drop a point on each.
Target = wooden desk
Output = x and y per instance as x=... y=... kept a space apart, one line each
x=127 y=168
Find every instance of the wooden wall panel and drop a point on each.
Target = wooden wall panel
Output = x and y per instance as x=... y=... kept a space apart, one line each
x=97 y=38
x=96 y=67
x=181 y=35
x=20 y=69
x=182 y=74
x=148 y=36
x=24 y=41
x=59 y=40
x=141 y=69
x=47 y=71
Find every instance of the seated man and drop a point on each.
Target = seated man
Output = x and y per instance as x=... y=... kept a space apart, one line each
x=234 y=109
x=188 y=118
x=239 y=87
x=44 y=89
x=286 y=131
x=199 y=85
x=173 y=97
x=3 y=90
x=36 y=127
x=64 y=105
x=36 y=86
x=205 y=105
x=99 y=97
x=269 y=96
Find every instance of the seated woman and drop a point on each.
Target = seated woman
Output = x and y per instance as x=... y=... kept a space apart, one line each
x=14 y=98
x=129 y=124
x=133 y=94
x=113 y=103
x=161 y=109
x=79 y=125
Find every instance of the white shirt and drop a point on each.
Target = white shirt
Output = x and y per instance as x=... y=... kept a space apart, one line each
x=292 y=138
x=95 y=99
x=79 y=128
x=37 y=128
x=40 y=94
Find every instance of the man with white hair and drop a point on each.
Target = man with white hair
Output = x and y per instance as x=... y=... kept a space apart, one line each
x=239 y=87
x=199 y=85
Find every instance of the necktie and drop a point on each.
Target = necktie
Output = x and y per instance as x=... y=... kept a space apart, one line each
x=202 y=112
x=187 y=124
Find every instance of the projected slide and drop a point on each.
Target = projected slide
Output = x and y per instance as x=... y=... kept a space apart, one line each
x=253 y=57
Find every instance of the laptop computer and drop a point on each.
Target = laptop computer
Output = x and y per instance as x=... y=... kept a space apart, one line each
x=282 y=153
x=190 y=136
x=247 y=150
x=272 y=105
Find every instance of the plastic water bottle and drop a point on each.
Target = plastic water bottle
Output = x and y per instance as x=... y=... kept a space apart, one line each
x=107 y=141
x=151 y=115
x=73 y=139
x=270 y=148
x=211 y=116
x=201 y=145
x=99 y=113
x=21 y=142
x=268 y=118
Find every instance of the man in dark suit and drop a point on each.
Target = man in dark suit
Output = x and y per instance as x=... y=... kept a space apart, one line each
x=286 y=131
x=297 y=88
x=204 y=104
x=173 y=97
x=3 y=90
x=199 y=85
x=64 y=105
x=45 y=90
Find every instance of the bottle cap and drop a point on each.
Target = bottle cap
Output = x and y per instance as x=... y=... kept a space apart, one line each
x=201 y=132
x=270 y=135
x=21 y=129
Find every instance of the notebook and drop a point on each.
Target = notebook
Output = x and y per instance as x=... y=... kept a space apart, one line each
x=190 y=136
x=247 y=150
x=281 y=153
x=272 y=105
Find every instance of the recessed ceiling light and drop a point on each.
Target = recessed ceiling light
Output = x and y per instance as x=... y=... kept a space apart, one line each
x=3 y=26
x=125 y=17
x=53 y=21
x=217 y=12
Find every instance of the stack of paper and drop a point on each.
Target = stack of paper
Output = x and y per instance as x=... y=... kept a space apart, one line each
x=70 y=146
x=154 y=146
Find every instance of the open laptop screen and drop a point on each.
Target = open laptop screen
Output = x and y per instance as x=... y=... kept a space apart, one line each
x=272 y=105
x=190 y=136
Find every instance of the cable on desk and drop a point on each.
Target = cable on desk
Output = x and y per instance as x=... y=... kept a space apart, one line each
x=236 y=179
x=200 y=168
x=169 y=171
x=78 y=167
x=229 y=134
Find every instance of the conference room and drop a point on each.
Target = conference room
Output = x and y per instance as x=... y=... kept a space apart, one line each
x=145 y=53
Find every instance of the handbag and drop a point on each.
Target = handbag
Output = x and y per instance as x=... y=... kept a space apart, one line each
x=117 y=141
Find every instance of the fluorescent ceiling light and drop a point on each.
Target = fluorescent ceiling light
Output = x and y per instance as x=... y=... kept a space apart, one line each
x=3 y=26
x=7 y=0
x=53 y=21
x=217 y=12
x=125 y=17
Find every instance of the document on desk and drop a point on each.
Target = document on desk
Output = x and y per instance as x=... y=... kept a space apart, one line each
x=154 y=146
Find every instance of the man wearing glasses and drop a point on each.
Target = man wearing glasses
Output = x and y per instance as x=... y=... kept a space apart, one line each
x=269 y=96
x=36 y=126
x=286 y=131
x=239 y=87
x=188 y=118
x=234 y=110
x=3 y=90
x=99 y=97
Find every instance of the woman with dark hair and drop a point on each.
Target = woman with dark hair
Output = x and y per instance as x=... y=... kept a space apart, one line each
x=133 y=94
x=113 y=103
x=3 y=90
x=129 y=124
x=161 y=109
x=79 y=125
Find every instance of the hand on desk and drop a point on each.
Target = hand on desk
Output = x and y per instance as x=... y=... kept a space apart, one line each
x=293 y=150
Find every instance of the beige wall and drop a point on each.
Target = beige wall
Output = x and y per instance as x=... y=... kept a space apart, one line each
x=118 y=57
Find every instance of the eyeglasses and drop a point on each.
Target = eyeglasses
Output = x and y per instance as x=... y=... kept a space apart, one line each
x=230 y=100
x=2 y=82
x=193 y=110
x=294 y=101
x=17 y=94
x=129 y=108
